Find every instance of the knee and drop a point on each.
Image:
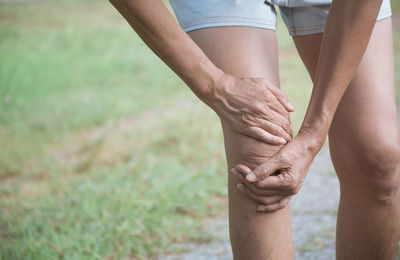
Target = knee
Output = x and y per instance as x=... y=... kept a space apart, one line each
x=382 y=157
x=369 y=166
x=380 y=169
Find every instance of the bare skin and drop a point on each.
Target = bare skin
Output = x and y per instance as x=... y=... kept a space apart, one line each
x=251 y=106
x=364 y=142
x=248 y=118
x=366 y=155
x=253 y=235
x=343 y=44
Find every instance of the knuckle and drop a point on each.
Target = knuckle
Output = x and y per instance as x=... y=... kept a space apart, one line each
x=280 y=120
x=283 y=158
x=286 y=179
x=280 y=132
x=269 y=97
x=280 y=94
x=261 y=172
x=265 y=200
x=287 y=126
x=293 y=189
x=285 y=123
x=282 y=204
x=247 y=117
x=259 y=107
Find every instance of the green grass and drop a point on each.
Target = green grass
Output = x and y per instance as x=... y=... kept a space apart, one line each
x=395 y=5
x=104 y=152
x=100 y=152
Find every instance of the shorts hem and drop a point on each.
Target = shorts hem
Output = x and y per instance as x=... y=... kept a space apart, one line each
x=386 y=13
x=229 y=23
x=300 y=32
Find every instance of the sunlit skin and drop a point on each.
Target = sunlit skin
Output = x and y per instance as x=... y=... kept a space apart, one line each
x=364 y=145
x=240 y=82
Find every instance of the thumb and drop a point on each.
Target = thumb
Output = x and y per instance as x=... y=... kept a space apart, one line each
x=263 y=170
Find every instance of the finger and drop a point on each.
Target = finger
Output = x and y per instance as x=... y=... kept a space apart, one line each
x=264 y=170
x=274 y=206
x=281 y=96
x=243 y=169
x=272 y=128
x=263 y=136
x=253 y=188
x=282 y=181
x=266 y=200
x=277 y=107
x=269 y=120
x=279 y=120
x=270 y=182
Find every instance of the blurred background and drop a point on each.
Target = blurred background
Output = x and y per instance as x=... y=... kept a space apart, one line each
x=104 y=152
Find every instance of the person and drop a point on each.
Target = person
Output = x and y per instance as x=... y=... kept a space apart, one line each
x=226 y=52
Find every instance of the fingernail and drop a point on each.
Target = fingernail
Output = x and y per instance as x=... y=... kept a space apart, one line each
x=290 y=105
x=260 y=207
x=239 y=186
x=242 y=170
x=234 y=171
x=251 y=177
x=282 y=140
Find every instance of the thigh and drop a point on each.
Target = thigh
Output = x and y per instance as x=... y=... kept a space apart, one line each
x=366 y=117
x=248 y=52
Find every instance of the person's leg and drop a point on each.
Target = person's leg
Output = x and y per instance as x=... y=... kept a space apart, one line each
x=248 y=52
x=364 y=142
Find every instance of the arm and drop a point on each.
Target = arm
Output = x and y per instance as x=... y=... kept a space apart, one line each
x=243 y=103
x=348 y=29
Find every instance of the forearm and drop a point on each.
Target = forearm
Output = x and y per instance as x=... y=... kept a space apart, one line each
x=154 y=24
x=345 y=39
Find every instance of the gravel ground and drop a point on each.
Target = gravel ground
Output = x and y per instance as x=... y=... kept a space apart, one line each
x=313 y=211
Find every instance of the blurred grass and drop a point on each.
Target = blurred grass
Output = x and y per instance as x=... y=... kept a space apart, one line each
x=105 y=153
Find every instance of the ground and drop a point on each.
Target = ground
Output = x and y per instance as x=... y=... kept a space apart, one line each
x=313 y=212
x=106 y=154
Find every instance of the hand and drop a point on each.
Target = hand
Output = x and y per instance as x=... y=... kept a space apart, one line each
x=274 y=182
x=253 y=107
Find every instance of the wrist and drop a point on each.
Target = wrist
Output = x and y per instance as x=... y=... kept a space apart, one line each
x=312 y=141
x=219 y=89
x=315 y=127
x=207 y=78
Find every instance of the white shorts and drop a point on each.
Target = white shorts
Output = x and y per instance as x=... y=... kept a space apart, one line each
x=301 y=17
